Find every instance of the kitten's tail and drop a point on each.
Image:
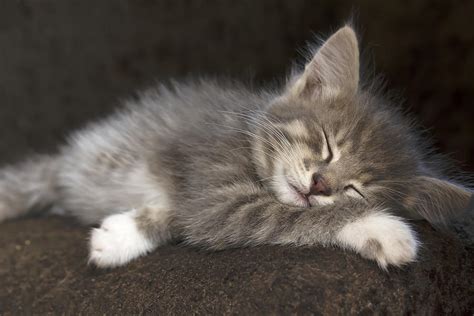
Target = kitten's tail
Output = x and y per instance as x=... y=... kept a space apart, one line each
x=27 y=187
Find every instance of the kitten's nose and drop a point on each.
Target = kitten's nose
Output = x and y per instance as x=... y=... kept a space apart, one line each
x=319 y=186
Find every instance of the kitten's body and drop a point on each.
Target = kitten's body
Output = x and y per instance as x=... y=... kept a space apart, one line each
x=220 y=165
x=167 y=155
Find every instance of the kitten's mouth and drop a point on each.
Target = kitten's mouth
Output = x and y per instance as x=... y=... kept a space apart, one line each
x=301 y=197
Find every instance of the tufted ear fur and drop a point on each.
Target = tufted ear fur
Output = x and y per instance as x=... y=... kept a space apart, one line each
x=438 y=200
x=334 y=69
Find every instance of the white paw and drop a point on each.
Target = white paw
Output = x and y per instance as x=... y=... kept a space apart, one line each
x=381 y=237
x=118 y=241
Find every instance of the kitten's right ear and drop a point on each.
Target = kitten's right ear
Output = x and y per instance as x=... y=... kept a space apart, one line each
x=438 y=200
x=333 y=70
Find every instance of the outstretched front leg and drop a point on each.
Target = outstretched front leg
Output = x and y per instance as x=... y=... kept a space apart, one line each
x=126 y=236
x=243 y=214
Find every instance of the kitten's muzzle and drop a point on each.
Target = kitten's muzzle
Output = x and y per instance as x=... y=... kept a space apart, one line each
x=319 y=186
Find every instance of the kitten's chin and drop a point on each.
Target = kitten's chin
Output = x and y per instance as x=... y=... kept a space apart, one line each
x=321 y=200
x=296 y=202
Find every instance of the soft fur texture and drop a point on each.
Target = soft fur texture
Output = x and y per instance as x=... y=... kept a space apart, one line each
x=322 y=161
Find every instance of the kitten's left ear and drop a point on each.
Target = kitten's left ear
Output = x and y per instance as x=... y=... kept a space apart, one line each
x=334 y=69
x=438 y=200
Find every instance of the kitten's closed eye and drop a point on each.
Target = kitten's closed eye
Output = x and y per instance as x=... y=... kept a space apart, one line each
x=329 y=154
x=353 y=191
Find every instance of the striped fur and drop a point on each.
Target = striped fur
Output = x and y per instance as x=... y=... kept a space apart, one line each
x=220 y=165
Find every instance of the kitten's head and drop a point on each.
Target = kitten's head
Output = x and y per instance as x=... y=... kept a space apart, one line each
x=326 y=139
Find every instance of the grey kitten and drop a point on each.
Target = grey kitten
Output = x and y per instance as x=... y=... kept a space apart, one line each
x=321 y=161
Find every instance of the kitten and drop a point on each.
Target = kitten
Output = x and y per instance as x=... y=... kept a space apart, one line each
x=321 y=161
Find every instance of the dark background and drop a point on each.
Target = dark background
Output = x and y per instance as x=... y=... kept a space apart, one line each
x=63 y=63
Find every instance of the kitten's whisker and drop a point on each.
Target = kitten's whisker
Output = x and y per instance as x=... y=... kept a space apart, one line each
x=266 y=125
x=259 y=150
x=267 y=178
x=262 y=126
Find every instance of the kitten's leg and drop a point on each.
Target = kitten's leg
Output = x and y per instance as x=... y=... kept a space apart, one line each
x=245 y=215
x=380 y=237
x=126 y=236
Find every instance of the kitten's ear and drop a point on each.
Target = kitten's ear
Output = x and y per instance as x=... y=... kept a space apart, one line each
x=438 y=200
x=334 y=69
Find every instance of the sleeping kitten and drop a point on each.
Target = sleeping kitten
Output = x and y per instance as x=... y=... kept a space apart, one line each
x=321 y=161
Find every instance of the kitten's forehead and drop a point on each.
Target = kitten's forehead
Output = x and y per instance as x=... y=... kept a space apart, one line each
x=370 y=138
x=297 y=128
x=314 y=115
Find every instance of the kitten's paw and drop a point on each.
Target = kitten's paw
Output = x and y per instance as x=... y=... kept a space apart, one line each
x=117 y=241
x=381 y=237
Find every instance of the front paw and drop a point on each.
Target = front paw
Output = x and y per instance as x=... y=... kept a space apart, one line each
x=117 y=241
x=381 y=237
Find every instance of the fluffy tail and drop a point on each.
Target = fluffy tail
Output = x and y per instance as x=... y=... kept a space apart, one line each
x=27 y=187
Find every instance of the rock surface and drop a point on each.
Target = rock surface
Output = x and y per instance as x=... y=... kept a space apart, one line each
x=43 y=268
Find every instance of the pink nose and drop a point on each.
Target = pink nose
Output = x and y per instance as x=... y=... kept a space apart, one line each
x=319 y=186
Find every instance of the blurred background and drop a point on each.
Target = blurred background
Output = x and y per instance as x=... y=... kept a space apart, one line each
x=63 y=63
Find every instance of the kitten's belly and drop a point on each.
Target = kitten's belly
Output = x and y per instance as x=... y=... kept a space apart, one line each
x=96 y=182
x=91 y=191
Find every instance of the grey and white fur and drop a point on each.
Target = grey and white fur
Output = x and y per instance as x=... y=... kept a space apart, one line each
x=323 y=160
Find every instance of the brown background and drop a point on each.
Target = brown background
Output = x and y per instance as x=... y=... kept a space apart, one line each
x=66 y=62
